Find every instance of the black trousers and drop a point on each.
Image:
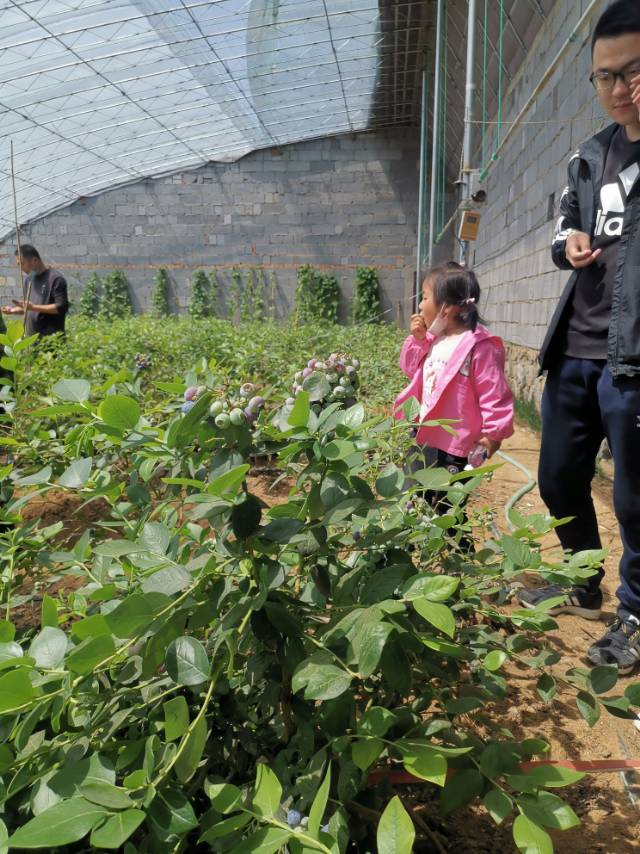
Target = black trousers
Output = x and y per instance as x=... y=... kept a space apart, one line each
x=583 y=404
x=422 y=457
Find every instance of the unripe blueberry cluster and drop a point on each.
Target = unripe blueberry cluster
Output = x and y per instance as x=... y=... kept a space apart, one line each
x=341 y=373
x=228 y=412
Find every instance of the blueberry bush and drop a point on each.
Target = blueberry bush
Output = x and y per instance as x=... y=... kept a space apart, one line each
x=160 y=294
x=224 y=675
x=89 y=302
x=202 y=302
x=366 y=299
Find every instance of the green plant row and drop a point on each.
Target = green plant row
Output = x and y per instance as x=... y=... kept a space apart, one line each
x=251 y=296
x=224 y=675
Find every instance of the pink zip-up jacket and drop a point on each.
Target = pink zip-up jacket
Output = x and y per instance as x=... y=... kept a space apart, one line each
x=472 y=389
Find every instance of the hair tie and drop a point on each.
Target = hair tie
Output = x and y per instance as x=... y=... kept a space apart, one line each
x=469 y=301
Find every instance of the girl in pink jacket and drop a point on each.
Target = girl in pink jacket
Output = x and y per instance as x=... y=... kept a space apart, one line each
x=456 y=372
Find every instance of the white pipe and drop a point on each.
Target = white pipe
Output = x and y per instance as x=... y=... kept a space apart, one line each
x=469 y=93
x=421 y=194
x=435 y=130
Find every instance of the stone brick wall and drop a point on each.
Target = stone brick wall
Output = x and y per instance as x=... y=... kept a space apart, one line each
x=520 y=284
x=336 y=203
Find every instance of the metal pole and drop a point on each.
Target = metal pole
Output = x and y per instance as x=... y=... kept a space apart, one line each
x=469 y=94
x=17 y=224
x=421 y=193
x=435 y=131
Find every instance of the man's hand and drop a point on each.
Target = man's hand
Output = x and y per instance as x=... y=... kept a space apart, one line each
x=578 y=250
x=490 y=444
x=635 y=91
x=22 y=305
x=418 y=329
x=11 y=309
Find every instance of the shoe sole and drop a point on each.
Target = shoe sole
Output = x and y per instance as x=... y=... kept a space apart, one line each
x=599 y=661
x=574 y=610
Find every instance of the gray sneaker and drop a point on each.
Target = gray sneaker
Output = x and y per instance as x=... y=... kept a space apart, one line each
x=577 y=600
x=620 y=645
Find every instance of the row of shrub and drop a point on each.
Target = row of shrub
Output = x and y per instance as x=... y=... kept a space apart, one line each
x=251 y=294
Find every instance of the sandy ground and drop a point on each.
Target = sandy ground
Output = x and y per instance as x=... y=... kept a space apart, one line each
x=611 y=824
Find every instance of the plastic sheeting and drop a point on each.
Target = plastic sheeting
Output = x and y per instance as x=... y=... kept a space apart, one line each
x=98 y=93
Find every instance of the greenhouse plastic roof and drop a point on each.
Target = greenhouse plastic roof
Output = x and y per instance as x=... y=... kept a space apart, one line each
x=97 y=93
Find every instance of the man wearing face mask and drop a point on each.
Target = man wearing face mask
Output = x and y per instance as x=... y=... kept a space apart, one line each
x=48 y=301
x=592 y=350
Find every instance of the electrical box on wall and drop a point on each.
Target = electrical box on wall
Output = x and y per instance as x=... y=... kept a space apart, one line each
x=469 y=225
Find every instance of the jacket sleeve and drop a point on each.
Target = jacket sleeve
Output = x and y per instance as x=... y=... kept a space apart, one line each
x=412 y=354
x=494 y=396
x=569 y=219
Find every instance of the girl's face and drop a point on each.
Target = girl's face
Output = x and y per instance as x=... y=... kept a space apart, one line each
x=428 y=308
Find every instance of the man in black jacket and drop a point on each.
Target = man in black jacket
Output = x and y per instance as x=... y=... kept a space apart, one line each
x=592 y=349
x=48 y=302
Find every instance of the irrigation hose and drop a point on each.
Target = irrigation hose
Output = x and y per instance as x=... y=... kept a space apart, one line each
x=520 y=493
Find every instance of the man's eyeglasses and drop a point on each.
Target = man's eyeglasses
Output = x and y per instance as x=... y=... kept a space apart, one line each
x=605 y=81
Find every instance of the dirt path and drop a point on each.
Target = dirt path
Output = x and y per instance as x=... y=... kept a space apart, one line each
x=611 y=824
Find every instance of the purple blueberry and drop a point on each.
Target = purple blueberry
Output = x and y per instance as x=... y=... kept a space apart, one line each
x=250 y=415
x=293 y=818
x=187 y=406
x=307 y=372
x=256 y=403
x=190 y=393
x=312 y=363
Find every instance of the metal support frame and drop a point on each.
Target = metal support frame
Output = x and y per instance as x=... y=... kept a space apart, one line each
x=435 y=130
x=467 y=143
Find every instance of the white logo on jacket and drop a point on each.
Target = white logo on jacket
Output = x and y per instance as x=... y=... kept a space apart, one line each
x=613 y=199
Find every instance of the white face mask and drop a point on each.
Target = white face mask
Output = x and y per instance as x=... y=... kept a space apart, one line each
x=439 y=325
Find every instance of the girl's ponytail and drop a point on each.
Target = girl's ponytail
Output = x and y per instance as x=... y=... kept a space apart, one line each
x=456 y=285
x=469 y=314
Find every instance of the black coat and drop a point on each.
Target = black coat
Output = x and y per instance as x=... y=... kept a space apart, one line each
x=578 y=210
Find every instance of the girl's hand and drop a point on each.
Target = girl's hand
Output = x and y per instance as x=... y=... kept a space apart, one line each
x=418 y=329
x=439 y=325
x=490 y=444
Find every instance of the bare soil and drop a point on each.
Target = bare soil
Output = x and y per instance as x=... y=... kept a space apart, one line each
x=610 y=822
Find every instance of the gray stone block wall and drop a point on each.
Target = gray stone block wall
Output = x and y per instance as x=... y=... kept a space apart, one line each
x=336 y=203
x=521 y=286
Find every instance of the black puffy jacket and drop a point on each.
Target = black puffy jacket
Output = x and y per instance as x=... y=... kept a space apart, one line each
x=578 y=210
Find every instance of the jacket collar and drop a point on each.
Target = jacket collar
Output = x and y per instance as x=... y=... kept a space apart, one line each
x=594 y=151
